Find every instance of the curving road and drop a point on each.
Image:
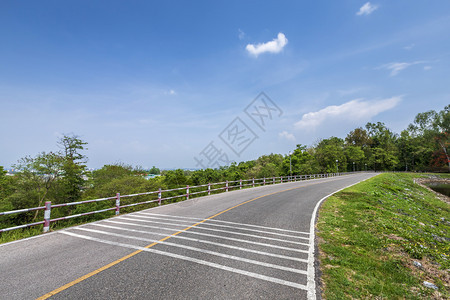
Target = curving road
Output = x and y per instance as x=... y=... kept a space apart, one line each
x=252 y=243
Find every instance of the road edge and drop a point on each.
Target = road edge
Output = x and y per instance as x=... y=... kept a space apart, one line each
x=313 y=276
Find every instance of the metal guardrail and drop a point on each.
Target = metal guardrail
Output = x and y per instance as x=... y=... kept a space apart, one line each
x=223 y=186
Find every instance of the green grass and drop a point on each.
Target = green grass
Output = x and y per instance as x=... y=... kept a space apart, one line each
x=370 y=235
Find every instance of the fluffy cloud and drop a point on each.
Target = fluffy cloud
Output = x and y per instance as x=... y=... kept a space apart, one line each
x=366 y=9
x=274 y=46
x=286 y=135
x=355 y=109
x=396 y=67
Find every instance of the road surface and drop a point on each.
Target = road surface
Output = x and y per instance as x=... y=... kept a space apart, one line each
x=244 y=244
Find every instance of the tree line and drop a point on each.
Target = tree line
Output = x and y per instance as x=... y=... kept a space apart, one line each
x=62 y=176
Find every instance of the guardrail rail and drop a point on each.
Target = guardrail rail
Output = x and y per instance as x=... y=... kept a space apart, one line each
x=209 y=188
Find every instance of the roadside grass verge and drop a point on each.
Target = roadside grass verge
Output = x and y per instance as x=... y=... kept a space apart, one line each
x=371 y=237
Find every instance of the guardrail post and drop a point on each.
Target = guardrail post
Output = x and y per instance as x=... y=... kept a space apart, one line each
x=264 y=180
x=226 y=186
x=187 y=192
x=273 y=180
x=159 y=196
x=281 y=177
x=47 y=213
x=117 y=204
x=209 y=188
x=240 y=183
x=253 y=182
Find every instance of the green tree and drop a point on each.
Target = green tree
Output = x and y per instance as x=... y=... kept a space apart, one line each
x=6 y=184
x=384 y=143
x=301 y=160
x=74 y=167
x=175 y=178
x=355 y=155
x=432 y=129
x=266 y=166
x=409 y=148
x=36 y=180
x=154 y=170
x=330 y=155
x=200 y=177
x=382 y=159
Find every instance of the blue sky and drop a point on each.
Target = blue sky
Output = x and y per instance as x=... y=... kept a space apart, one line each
x=155 y=82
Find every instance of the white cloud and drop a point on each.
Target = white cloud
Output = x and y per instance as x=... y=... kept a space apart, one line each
x=274 y=46
x=286 y=135
x=241 y=34
x=352 y=110
x=409 y=47
x=396 y=67
x=170 y=92
x=366 y=9
x=426 y=68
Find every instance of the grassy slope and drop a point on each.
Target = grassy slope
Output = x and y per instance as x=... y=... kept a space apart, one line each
x=370 y=235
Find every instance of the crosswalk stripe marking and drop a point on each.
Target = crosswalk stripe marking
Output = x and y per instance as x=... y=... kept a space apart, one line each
x=227 y=226
x=217 y=230
x=198 y=261
x=251 y=261
x=214 y=236
x=208 y=242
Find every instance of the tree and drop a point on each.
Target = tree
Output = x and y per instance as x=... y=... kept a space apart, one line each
x=355 y=155
x=6 y=189
x=408 y=148
x=36 y=179
x=433 y=128
x=200 y=177
x=175 y=178
x=384 y=146
x=74 y=167
x=383 y=159
x=6 y=183
x=154 y=170
x=330 y=155
x=358 y=137
x=301 y=160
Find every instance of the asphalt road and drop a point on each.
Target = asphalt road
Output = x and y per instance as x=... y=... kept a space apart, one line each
x=244 y=244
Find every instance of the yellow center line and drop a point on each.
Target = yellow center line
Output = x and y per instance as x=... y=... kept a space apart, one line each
x=78 y=280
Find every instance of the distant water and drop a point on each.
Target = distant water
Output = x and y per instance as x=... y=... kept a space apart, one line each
x=440 y=188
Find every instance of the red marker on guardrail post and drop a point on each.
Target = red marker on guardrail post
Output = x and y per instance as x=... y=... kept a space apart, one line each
x=117 y=204
x=47 y=213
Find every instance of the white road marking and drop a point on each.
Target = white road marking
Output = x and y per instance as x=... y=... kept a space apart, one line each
x=217 y=230
x=227 y=222
x=208 y=242
x=214 y=236
x=198 y=261
x=227 y=226
x=250 y=261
